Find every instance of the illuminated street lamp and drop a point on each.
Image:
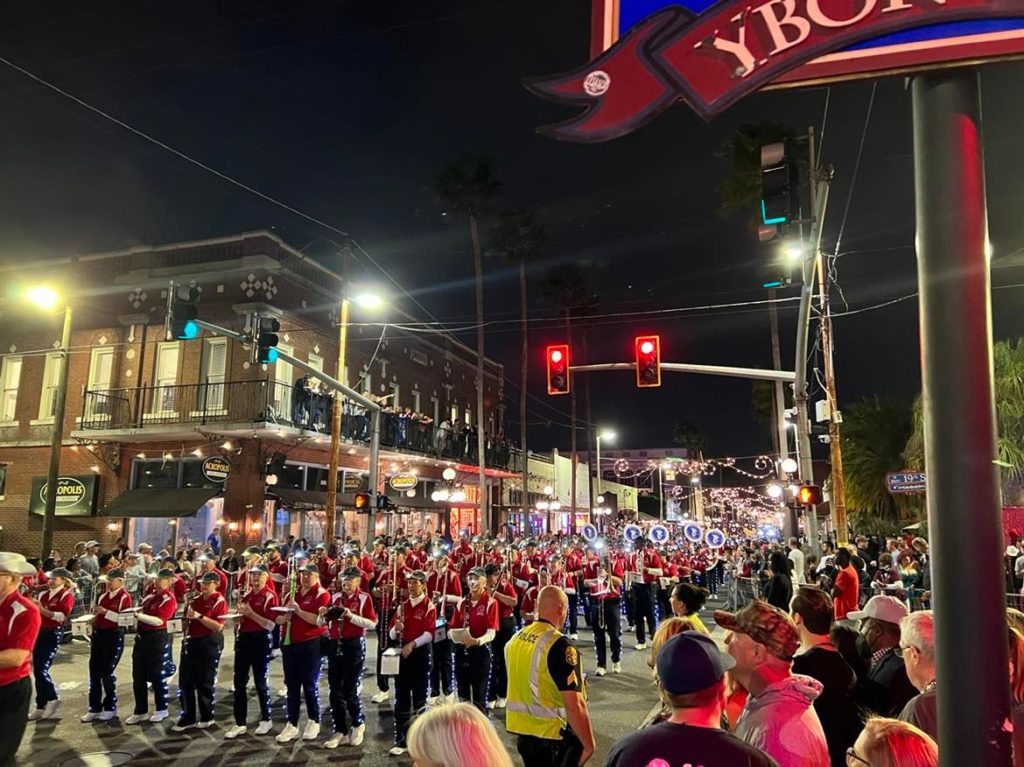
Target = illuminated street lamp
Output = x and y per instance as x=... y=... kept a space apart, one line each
x=608 y=436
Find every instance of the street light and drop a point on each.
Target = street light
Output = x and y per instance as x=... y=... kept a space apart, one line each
x=789 y=466
x=608 y=436
x=774 y=491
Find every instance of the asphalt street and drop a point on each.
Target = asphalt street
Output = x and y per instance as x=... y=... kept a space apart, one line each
x=618 y=703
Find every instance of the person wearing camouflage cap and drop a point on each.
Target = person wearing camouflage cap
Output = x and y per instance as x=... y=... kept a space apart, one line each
x=779 y=717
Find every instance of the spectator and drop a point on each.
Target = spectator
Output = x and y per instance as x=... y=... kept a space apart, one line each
x=1017 y=694
x=887 y=688
x=796 y=556
x=666 y=630
x=851 y=644
x=1015 y=618
x=229 y=563
x=779 y=717
x=90 y=559
x=847 y=585
x=892 y=743
x=908 y=572
x=819 y=659
x=691 y=680
x=455 y=734
x=778 y=592
x=917 y=646
x=687 y=601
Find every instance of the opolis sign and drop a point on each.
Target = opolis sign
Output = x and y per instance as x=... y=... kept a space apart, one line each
x=648 y=54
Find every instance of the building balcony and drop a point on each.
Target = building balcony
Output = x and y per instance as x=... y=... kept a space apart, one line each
x=271 y=409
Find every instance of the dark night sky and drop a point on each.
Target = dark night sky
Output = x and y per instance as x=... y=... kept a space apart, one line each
x=346 y=111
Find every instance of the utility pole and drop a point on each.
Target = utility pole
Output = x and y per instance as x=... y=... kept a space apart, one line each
x=57 y=436
x=332 y=469
x=781 y=439
x=837 y=501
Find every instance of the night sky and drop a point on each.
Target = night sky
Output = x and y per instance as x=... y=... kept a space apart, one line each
x=347 y=110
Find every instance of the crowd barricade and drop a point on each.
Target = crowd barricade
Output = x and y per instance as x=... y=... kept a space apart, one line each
x=742 y=591
x=915 y=599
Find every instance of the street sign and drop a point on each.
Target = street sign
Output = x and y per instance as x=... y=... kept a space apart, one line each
x=76 y=496
x=693 y=532
x=658 y=533
x=216 y=468
x=589 y=532
x=905 y=482
x=715 y=538
x=632 y=532
x=649 y=54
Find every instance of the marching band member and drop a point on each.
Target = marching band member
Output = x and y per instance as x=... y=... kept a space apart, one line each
x=648 y=566
x=252 y=648
x=177 y=584
x=151 y=648
x=208 y=564
x=417 y=557
x=350 y=615
x=19 y=629
x=277 y=566
x=200 y=653
x=444 y=588
x=462 y=551
x=605 y=589
x=529 y=605
x=476 y=558
x=106 y=647
x=390 y=591
x=665 y=585
x=508 y=598
x=324 y=563
x=473 y=659
x=55 y=606
x=413 y=626
x=252 y=557
x=301 y=653
x=380 y=557
x=572 y=587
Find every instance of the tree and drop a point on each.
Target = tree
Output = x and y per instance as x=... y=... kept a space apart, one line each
x=874 y=436
x=520 y=236
x=468 y=186
x=688 y=436
x=741 y=189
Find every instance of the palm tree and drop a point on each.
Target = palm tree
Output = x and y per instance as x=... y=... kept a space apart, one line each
x=874 y=436
x=688 y=436
x=520 y=236
x=468 y=186
x=741 y=189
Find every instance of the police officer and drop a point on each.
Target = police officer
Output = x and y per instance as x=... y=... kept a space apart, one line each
x=252 y=648
x=413 y=628
x=547 y=705
x=151 y=648
x=444 y=589
x=473 y=657
x=55 y=606
x=349 y=616
x=200 y=654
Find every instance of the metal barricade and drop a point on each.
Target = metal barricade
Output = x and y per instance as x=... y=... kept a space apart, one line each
x=743 y=591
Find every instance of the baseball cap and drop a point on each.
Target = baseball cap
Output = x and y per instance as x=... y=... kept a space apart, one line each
x=16 y=564
x=92 y=544
x=60 y=572
x=258 y=569
x=690 y=662
x=881 y=608
x=145 y=547
x=210 y=578
x=165 y=573
x=310 y=568
x=115 y=573
x=765 y=624
x=351 y=572
x=477 y=572
x=417 y=575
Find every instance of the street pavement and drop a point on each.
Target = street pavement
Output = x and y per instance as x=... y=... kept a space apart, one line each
x=618 y=703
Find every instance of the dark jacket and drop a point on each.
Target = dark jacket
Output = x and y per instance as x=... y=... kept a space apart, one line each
x=887 y=688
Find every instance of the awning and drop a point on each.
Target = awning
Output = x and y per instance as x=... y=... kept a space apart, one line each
x=159 y=502
x=307 y=500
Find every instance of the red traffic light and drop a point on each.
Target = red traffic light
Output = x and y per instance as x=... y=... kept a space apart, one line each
x=558 y=369
x=648 y=361
x=809 y=495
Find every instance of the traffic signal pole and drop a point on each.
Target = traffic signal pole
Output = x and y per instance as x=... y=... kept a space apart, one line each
x=963 y=495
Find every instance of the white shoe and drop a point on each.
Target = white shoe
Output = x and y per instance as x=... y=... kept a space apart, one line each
x=356 y=738
x=312 y=731
x=574 y=637
x=234 y=732
x=336 y=740
x=430 y=702
x=205 y=725
x=616 y=668
x=182 y=727
x=600 y=671
x=398 y=750
x=264 y=727
x=106 y=716
x=381 y=697
x=88 y=716
x=159 y=716
x=283 y=692
x=641 y=645
x=37 y=714
x=136 y=719
x=50 y=710
x=500 y=702
x=288 y=734
x=490 y=704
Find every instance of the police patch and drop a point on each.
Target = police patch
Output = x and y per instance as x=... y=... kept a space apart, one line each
x=572 y=656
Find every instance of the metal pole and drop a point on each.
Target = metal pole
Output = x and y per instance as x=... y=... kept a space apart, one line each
x=678 y=367
x=374 y=465
x=837 y=501
x=661 y=495
x=780 y=394
x=57 y=435
x=598 y=440
x=959 y=419
x=332 y=468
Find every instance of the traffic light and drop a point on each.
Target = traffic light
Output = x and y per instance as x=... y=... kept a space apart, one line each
x=265 y=345
x=385 y=504
x=558 y=369
x=363 y=501
x=780 y=201
x=183 y=316
x=648 y=361
x=809 y=495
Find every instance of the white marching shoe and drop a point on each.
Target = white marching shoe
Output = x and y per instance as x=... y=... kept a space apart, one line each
x=264 y=727
x=288 y=734
x=381 y=697
x=234 y=732
x=336 y=740
x=356 y=738
x=312 y=731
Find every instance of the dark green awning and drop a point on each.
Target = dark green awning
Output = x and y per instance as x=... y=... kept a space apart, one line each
x=159 y=502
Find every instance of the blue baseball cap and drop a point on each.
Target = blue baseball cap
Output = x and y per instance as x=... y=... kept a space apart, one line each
x=691 y=662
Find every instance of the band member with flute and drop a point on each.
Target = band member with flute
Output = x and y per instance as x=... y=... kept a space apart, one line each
x=413 y=628
x=55 y=606
x=349 y=617
x=603 y=579
x=444 y=588
x=201 y=648
x=252 y=649
x=473 y=658
x=150 y=651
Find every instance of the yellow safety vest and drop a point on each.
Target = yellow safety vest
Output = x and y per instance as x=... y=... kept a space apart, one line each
x=534 y=703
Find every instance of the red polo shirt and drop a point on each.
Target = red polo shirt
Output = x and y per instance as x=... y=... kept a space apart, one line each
x=160 y=605
x=19 y=629
x=212 y=606
x=476 y=616
x=529 y=603
x=278 y=575
x=261 y=603
x=310 y=602
x=605 y=590
x=60 y=601
x=506 y=588
x=197 y=581
x=417 y=619
x=446 y=583
x=359 y=604
x=114 y=601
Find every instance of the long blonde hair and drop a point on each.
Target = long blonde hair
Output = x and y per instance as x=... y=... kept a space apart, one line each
x=892 y=743
x=1016 y=666
x=453 y=735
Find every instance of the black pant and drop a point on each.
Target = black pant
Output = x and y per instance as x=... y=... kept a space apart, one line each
x=473 y=672
x=42 y=659
x=574 y=617
x=630 y=608
x=200 y=658
x=506 y=628
x=344 y=678
x=442 y=670
x=550 y=753
x=643 y=609
x=664 y=606
x=104 y=655
x=252 y=651
x=148 y=666
x=411 y=689
x=301 y=677
x=608 y=626
x=584 y=599
x=14 y=701
x=382 y=644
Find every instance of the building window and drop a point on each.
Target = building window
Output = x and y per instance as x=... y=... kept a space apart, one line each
x=415 y=401
x=395 y=393
x=101 y=371
x=165 y=378
x=283 y=384
x=437 y=408
x=468 y=416
x=10 y=377
x=455 y=415
x=367 y=387
x=316 y=362
x=51 y=375
x=213 y=373
x=419 y=357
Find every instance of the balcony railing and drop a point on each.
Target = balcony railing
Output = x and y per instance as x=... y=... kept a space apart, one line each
x=265 y=401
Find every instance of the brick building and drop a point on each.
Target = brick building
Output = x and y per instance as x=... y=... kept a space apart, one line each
x=144 y=413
